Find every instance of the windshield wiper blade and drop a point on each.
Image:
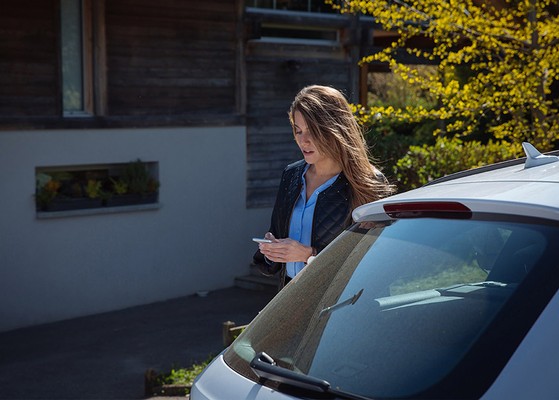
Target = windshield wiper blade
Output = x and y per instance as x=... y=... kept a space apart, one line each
x=352 y=300
x=490 y=284
x=265 y=367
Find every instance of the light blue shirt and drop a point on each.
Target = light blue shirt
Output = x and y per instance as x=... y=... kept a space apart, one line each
x=300 y=226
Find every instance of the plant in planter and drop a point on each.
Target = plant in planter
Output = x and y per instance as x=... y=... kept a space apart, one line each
x=140 y=182
x=138 y=179
x=134 y=186
x=119 y=187
x=55 y=196
x=94 y=189
x=47 y=190
x=119 y=195
x=82 y=188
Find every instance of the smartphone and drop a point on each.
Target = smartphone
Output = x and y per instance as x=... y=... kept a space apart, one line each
x=259 y=240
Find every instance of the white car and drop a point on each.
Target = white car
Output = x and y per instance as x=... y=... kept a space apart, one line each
x=449 y=291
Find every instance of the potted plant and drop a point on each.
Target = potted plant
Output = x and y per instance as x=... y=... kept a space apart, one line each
x=119 y=195
x=46 y=192
x=134 y=186
x=119 y=186
x=94 y=194
x=63 y=190
x=140 y=182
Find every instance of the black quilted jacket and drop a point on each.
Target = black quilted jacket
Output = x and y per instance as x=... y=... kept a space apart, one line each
x=332 y=213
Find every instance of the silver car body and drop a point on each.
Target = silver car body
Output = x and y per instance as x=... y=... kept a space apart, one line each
x=525 y=187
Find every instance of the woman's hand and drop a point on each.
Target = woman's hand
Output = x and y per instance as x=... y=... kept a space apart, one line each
x=285 y=250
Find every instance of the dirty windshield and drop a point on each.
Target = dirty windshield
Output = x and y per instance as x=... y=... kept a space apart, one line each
x=390 y=309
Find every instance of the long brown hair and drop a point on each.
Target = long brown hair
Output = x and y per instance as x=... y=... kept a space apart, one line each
x=338 y=135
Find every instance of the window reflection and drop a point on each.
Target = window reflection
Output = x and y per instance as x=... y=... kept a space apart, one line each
x=72 y=57
x=292 y=5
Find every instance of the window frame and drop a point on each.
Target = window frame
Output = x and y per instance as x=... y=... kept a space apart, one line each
x=93 y=60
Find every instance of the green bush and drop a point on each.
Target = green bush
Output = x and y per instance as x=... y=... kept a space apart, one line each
x=390 y=141
x=423 y=164
x=184 y=376
x=137 y=178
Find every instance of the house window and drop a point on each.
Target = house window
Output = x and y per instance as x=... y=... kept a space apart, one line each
x=69 y=190
x=286 y=33
x=76 y=57
x=291 y=5
x=306 y=22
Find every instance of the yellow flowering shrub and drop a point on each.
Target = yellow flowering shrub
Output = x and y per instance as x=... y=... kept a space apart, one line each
x=423 y=164
x=510 y=51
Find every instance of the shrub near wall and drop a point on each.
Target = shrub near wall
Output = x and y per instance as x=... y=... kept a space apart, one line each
x=390 y=141
x=423 y=164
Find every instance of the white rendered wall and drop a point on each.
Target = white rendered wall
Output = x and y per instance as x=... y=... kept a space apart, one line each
x=199 y=239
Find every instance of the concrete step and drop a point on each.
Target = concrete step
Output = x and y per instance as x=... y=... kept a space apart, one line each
x=255 y=271
x=256 y=281
x=261 y=283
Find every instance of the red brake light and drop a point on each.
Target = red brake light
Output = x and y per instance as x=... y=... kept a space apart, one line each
x=434 y=209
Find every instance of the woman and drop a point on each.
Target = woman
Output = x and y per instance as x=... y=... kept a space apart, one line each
x=317 y=194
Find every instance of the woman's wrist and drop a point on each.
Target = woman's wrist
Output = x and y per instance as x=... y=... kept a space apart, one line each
x=312 y=256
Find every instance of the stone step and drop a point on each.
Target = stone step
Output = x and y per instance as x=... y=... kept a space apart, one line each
x=256 y=281
x=262 y=283
x=254 y=270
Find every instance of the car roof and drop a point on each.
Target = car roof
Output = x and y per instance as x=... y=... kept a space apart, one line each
x=528 y=186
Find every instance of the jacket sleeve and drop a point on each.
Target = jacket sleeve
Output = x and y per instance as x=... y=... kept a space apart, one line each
x=265 y=266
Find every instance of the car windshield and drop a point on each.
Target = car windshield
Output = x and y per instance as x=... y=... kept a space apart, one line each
x=398 y=308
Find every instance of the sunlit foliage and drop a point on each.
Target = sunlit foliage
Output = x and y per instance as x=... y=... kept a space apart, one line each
x=510 y=49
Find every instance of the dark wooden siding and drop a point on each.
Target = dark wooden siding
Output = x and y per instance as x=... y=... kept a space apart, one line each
x=179 y=63
x=275 y=71
x=271 y=86
x=170 y=57
x=159 y=63
x=29 y=58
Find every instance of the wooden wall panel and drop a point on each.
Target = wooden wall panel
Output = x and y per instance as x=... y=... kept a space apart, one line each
x=171 y=57
x=176 y=62
x=29 y=58
x=275 y=73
